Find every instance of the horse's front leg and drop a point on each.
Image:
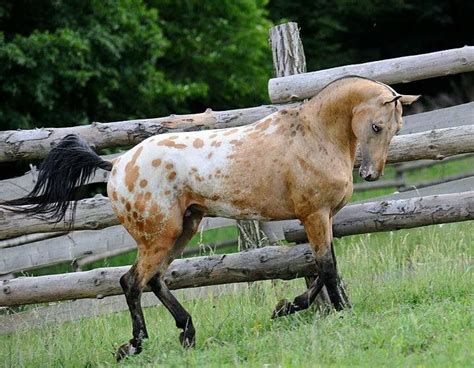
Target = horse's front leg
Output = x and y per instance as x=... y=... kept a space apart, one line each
x=319 y=230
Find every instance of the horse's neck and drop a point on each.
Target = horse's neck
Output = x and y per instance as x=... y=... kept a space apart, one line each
x=329 y=117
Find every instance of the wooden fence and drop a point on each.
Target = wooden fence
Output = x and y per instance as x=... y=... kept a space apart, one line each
x=435 y=135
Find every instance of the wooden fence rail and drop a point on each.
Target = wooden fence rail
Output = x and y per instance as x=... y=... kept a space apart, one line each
x=36 y=143
x=391 y=71
x=260 y=264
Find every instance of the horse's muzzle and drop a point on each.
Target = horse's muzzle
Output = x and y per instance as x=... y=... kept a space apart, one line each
x=368 y=173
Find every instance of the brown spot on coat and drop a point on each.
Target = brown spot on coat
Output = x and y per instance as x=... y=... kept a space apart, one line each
x=198 y=143
x=143 y=183
x=169 y=166
x=236 y=142
x=131 y=170
x=216 y=144
x=209 y=155
x=170 y=143
x=263 y=125
x=156 y=162
x=232 y=131
x=172 y=175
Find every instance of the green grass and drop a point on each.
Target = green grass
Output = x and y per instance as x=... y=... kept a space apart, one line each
x=412 y=306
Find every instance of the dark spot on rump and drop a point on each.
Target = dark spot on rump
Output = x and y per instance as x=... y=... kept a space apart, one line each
x=171 y=175
x=156 y=163
x=143 y=183
x=169 y=166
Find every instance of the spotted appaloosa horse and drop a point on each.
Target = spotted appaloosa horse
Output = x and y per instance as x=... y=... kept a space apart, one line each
x=295 y=163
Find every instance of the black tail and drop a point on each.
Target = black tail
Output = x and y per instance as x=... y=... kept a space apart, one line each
x=68 y=166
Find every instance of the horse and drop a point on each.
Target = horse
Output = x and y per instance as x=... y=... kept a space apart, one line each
x=295 y=163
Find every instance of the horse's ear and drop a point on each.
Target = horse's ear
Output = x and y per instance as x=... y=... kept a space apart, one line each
x=393 y=99
x=409 y=99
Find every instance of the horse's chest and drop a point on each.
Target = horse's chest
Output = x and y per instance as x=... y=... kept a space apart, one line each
x=321 y=186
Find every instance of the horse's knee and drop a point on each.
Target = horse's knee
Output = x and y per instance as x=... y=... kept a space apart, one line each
x=130 y=285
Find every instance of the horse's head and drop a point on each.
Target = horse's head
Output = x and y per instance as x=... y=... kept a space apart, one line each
x=374 y=123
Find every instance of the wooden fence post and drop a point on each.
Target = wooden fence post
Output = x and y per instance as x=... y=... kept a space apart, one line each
x=288 y=59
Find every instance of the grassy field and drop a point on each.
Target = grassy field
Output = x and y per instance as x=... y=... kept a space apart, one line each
x=412 y=295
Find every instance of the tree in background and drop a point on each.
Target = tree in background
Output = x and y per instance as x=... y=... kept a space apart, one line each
x=221 y=45
x=64 y=63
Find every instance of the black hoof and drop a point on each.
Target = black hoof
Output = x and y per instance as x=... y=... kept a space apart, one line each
x=187 y=340
x=283 y=308
x=127 y=349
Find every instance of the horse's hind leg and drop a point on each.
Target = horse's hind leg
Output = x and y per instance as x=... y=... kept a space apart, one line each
x=152 y=252
x=182 y=318
x=131 y=286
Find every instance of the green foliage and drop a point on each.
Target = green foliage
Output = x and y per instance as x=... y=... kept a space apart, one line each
x=222 y=46
x=71 y=62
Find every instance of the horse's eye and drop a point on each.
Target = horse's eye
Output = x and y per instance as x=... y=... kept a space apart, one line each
x=376 y=128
